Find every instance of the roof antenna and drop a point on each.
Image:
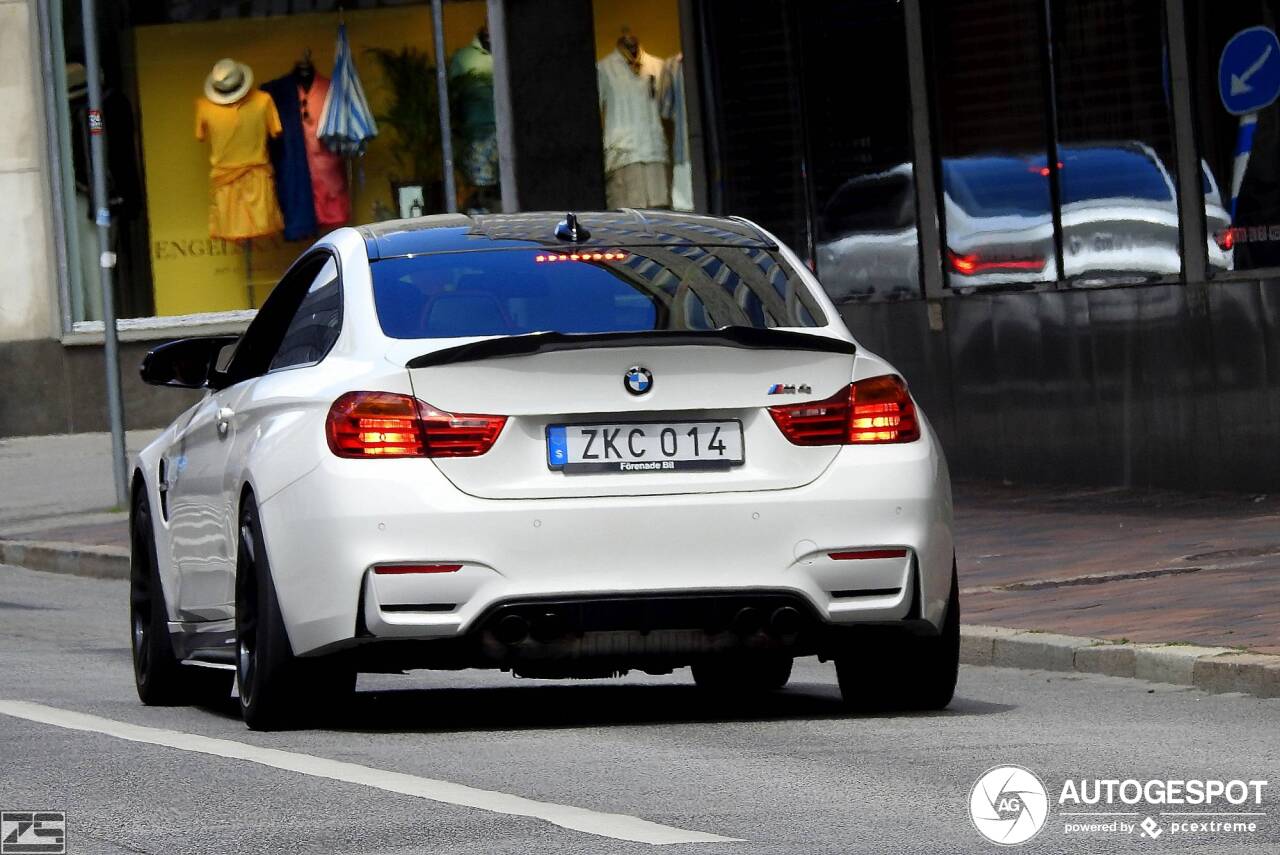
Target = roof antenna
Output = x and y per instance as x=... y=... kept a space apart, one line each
x=568 y=229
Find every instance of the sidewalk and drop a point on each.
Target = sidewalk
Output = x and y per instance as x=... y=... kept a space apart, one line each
x=1117 y=565
x=1122 y=565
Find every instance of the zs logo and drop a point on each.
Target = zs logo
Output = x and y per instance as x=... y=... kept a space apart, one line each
x=33 y=832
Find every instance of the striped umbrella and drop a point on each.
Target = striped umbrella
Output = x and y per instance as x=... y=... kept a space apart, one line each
x=346 y=125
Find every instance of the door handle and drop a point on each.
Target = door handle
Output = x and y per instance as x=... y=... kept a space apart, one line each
x=225 y=415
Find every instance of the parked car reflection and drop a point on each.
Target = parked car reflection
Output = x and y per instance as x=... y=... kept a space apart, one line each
x=1119 y=223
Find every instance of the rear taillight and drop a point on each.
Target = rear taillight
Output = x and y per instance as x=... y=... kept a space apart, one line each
x=375 y=424
x=458 y=435
x=871 y=411
x=387 y=425
x=974 y=264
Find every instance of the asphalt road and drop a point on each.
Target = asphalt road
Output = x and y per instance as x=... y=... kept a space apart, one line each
x=646 y=756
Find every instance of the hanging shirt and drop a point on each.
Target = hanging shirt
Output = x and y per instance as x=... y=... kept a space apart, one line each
x=673 y=108
x=289 y=157
x=311 y=181
x=328 y=170
x=632 y=126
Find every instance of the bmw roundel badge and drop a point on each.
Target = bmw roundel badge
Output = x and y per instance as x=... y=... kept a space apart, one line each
x=638 y=380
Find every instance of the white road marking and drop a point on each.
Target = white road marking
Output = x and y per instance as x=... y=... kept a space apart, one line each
x=614 y=825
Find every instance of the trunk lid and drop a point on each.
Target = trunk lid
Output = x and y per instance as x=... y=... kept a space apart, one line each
x=547 y=380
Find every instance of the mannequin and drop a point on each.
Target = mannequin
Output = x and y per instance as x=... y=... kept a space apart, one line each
x=311 y=181
x=471 y=85
x=635 y=145
x=237 y=120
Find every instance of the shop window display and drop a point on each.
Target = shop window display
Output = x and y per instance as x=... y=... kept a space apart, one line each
x=642 y=89
x=219 y=219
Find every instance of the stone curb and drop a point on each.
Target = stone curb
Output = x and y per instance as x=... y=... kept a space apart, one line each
x=1210 y=669
x=101 y=562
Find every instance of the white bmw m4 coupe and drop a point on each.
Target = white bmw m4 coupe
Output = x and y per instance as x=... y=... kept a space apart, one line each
x=562 y=446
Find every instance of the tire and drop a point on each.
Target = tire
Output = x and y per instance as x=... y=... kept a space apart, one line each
x=743 y=675
x=913 y=673
x=160 y=678
x=277 y=690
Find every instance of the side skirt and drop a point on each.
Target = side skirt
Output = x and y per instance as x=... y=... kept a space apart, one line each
x=204 y=642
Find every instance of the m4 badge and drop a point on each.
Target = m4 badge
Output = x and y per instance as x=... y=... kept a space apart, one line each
x=790 y=389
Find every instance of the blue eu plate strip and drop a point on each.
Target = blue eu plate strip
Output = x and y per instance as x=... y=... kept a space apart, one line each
x=557 y=447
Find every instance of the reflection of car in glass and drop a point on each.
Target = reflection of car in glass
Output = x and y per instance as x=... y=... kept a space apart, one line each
x=1119 y=221
x=871 y=248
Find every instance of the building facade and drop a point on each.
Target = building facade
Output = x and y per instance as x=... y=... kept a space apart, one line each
x=1059 y=218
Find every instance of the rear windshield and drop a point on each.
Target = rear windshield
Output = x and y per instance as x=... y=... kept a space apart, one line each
x=511 y=292
x=997 y=186
x=1112 y=173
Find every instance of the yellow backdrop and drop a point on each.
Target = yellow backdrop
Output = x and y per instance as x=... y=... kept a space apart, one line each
x=655 y=22
x=193 y=273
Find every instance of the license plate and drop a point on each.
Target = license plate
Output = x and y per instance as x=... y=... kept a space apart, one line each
x=644 y=446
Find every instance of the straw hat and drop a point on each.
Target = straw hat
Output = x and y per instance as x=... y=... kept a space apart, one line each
x=228 y=82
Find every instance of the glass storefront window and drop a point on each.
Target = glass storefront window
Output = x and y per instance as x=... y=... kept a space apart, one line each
x=858 y=111
x=1235 y=69
x=221 y=173
x=992 y=141
x=643 y=91
x=1055 y=140
x=1119 y=205
x=756 y=133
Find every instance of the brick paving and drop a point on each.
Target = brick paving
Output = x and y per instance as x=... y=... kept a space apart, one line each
x=1228 y=547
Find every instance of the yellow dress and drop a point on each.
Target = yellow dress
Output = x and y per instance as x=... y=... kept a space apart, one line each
x=242 y=192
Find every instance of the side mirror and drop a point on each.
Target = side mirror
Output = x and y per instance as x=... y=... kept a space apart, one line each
x=188 y=363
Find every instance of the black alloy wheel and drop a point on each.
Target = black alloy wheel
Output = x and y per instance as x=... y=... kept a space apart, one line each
x=161 y=680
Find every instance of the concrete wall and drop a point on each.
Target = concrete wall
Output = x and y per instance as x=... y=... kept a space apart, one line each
x=47 y=387
x=28 y=298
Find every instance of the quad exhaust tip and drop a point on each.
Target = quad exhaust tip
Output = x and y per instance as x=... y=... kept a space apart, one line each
x=548 y=627
x=786 y=621
x=748 y=621
x=511 y=629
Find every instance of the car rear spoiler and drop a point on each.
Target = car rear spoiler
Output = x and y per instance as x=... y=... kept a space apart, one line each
x=748 y=338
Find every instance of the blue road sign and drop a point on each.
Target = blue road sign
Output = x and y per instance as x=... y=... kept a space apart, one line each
x=1249 y=71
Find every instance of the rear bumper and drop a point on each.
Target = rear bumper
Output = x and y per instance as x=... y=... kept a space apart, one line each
x=326 y=531
x=600 y=635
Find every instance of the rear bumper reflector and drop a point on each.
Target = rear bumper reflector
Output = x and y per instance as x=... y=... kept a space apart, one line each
x=867 y=554
x=400 y=569
x=420 y=607
x=866 y=592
